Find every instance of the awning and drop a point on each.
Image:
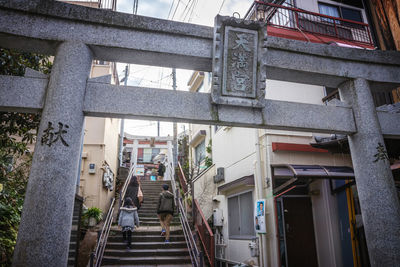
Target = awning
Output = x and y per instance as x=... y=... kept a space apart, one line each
x=289 y=175
x=247 y=181
x=311 y=171
x=200 y=135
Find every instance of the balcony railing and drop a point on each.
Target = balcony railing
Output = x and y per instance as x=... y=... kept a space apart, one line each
x=310 y=22
x=205 y=233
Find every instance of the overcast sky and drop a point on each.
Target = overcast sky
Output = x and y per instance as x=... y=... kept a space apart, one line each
x=194 y=11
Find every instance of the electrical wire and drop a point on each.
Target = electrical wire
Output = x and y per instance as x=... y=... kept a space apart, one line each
x=191 y=13
x=170 y=9
x=177 y=5
x=223 y=2
x=183 y=12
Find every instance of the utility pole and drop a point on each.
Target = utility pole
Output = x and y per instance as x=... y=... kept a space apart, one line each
x=121 y=134
x=175 y=130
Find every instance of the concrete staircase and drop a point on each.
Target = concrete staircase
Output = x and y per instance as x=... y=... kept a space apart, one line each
x=148 y=247
x=74 y=239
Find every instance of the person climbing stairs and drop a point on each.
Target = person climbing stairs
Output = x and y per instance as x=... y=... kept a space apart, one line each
x=148 y=247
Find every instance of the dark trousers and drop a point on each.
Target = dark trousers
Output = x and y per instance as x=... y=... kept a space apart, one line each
x=127 y=236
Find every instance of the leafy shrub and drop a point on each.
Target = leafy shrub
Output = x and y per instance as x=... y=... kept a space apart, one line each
x=93 y=212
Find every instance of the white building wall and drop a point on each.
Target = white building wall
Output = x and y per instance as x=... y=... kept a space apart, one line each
x=234 y=150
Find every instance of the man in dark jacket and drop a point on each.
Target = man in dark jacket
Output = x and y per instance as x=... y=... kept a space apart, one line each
x=161 y=170
x=165 y=210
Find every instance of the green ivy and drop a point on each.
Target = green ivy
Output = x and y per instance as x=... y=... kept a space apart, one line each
x=208 y=160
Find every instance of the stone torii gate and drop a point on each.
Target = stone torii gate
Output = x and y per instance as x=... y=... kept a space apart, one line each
x=241 y=57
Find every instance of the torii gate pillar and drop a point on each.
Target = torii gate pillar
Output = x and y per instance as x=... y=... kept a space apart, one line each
x=44 y=232
x=379 y=202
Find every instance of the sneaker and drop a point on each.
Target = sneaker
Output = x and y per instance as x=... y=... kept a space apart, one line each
x=166 y=241
x=163 y=232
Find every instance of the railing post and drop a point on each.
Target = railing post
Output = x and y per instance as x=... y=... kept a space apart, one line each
x=193 y=206
x=91 y=259
x=297 y=19
x=201 y=259
x=336 y=31
x=369 y=35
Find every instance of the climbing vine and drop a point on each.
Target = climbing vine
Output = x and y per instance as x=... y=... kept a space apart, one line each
x=208 y=158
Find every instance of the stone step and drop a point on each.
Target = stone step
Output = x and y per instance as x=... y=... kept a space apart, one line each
x=145 y=252
x=146 y=245
x=152 y=218
x=151 y=232
x=173 y=223
x=160 y=182
x=146 y=260
x=147 y=205
x=72 y=244
x=145 y=238
x=154 y=265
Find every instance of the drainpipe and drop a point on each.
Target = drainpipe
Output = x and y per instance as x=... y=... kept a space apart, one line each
x=78 y=177
x=259 y=192
x=121 y=134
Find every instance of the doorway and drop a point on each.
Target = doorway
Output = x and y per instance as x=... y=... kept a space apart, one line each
x=296 y=232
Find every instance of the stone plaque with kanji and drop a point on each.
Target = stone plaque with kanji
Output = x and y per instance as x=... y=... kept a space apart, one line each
x=239 y=71
x=240 y=63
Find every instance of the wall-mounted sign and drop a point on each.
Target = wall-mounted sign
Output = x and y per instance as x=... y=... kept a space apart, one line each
x=92 y=168
x=139 y=171
x=259 y=216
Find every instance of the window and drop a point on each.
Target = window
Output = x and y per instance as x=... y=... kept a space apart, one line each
x=200 y=152
x=351 y=14
x=240 y=216
x=340 y=12
x=329 y=10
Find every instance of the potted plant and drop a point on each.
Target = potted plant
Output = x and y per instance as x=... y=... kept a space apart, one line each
x=93 y=215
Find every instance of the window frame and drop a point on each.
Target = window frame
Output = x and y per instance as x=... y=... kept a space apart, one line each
x=339 y=8
x=197 y=161
x=241 y=237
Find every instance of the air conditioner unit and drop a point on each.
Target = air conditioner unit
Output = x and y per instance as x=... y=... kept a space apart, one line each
x=220 y=175
x=218 y=218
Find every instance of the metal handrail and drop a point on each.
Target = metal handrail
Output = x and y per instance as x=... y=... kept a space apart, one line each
x=204 y=229
x=97 y=256
x=182 y=178
x=196 y=256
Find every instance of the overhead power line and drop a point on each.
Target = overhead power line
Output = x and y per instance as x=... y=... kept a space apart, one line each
x=223 y=2
x=170 y=9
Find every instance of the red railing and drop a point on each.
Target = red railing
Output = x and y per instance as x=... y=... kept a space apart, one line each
x=310 y=22
x=205 y=233
x=182 y=179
